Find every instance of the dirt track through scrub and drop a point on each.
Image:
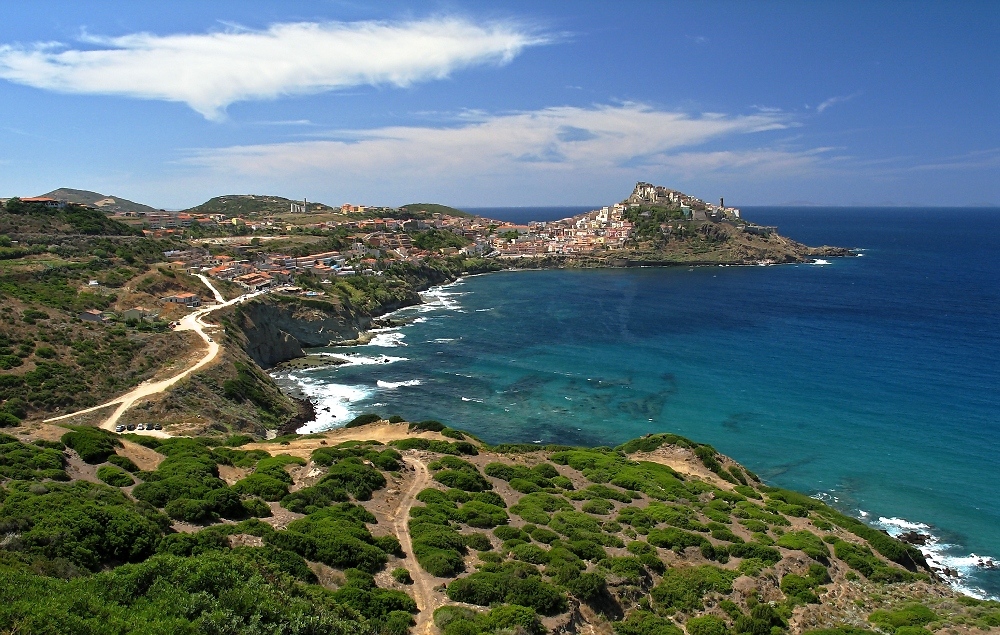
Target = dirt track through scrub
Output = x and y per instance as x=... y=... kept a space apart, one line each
x=423 y=582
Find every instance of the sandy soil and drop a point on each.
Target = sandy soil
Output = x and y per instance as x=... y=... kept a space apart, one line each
x=191 y=322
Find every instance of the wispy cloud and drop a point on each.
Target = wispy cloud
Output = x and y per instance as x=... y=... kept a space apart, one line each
x=560 y=138
x=839 y=99
x=209 y=71
x=560 y=147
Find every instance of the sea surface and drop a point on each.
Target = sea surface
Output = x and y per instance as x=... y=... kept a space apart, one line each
x=870 y=382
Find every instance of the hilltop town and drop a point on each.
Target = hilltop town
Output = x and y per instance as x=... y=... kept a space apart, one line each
x=262 y=242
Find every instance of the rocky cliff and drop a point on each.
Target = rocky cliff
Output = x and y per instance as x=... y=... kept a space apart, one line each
x=274 y=329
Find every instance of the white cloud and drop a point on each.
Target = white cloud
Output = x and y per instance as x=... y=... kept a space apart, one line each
x=212 y=70
x=839 y=99
x=519 y=156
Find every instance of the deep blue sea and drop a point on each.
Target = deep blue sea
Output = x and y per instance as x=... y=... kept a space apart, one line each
x=871 y=382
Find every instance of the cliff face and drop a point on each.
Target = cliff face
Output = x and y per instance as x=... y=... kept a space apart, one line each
x=276 y=330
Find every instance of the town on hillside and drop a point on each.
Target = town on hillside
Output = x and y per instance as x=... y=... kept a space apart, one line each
x=381 y=236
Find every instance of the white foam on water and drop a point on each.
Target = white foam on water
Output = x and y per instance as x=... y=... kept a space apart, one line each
x=954 y=569
x=484 y=310
x=334 y=403
x=820 y=261
x=438 y=298
x=397 y=384
x=387 y=338
x=471 y=399
x=442 y=340
x=353 y=359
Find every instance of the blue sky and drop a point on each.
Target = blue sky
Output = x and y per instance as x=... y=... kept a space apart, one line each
x=503 y=103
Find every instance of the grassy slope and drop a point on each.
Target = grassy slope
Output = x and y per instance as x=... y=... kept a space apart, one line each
x=435 y=208
x=587 y=549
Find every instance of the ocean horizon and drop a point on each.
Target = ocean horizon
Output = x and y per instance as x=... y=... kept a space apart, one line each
x=869 y=382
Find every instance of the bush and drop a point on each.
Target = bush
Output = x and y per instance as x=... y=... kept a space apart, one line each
x=256 y=508
x=909 y=615
x=807 y=542
x=646 y=623
x=427 y=426
x=707 y=625
x=27 y=462
x=512 y=585
x=683 y=588
x=467 y=480
x=262 y=485
x=217 y=592
x=477 y=541
x=123 y=462
x=190 y=510
x=114 y=476
x=95 y=524
x=363 y=420
x=402 y=575
x=8 y=420
x=92 y=444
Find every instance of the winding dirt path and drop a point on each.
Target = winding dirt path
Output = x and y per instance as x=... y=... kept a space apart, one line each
x=190 y=322
x=423 y=592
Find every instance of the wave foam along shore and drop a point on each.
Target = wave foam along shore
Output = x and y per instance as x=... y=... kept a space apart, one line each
x=955 y=570
x=397 y=384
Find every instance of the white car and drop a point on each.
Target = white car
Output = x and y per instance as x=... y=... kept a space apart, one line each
x=141 y=426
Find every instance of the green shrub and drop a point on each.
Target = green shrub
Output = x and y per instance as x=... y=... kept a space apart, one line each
x=114 y=476
x=92 y=444
x=27 y=462
x=706 y=625
x=123 y=462
x=807 y=542
x=191 y=510
x=646 y=623
x=95 y=524
x=530 y=553
x=466 y=480
x=363 y=420
x=217 y=591
x=402 y=575
x=8 y=420
x=513 y=584
x=598 y=506
x=427 y=426
x=336 y=536
x=543 y=535
x=256 y=508
x=477 y=541
x=908 y=615
x=478 y=514
x=683 y=588
x=262 y=485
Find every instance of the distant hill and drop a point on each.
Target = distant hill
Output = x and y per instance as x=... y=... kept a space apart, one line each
x=103 y=202
x=243 y=204
x=434 y=208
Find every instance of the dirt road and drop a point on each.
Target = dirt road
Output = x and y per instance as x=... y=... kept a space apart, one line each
x=191 y=322
x=423 y=584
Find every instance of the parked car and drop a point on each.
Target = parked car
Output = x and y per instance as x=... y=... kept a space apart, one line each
x=119 y=428
x=157 y=426
x=130 y=427
x=140 y=427
x=210 y=339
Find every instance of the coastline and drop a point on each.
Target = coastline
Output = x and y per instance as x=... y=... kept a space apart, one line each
x=944 y=557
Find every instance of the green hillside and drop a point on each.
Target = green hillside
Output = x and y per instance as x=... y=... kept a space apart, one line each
x=434 y=208
x=246 y=204
x=104 y=202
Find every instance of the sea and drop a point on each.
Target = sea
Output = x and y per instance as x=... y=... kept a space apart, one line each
x=870 y=382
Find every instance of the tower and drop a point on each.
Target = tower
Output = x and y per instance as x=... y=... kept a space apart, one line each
x=722 y=203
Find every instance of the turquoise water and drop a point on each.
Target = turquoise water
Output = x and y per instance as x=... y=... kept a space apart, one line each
x=869 y=381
